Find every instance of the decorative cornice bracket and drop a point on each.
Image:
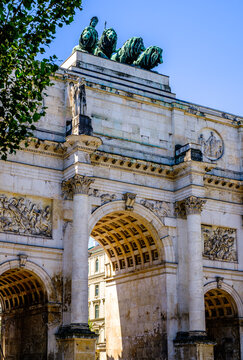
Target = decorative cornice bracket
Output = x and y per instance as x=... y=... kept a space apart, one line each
x=129 y=201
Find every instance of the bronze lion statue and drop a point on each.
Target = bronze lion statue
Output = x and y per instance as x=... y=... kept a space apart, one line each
x=107 y=44
x=88 y=38
x=130 y=51
x=150 y=58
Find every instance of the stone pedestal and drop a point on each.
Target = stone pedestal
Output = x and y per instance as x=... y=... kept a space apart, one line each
x=76 y=343
x=193 y=347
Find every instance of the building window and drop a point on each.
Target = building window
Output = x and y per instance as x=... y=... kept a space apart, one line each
x=97 y=312
x=96 y=265
x=96 y=290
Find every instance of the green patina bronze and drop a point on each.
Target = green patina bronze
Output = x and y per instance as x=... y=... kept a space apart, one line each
x=107 y=44
x=89 y=37
x=130 y=51
x=150 y=58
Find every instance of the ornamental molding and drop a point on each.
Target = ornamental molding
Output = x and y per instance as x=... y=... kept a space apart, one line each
x=82 y=142
x=131 y=164
x=78 y=184
x=222 y=182
x=45 y=147
x=212 y=145
x=219 y=243
x=23 y=216
x=159 y=208
x=189 y=206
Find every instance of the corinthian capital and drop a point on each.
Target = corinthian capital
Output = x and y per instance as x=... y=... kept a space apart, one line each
x=78 y=184
x=191 y=205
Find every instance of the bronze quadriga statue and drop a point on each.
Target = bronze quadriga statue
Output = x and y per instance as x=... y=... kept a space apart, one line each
x=132 y=52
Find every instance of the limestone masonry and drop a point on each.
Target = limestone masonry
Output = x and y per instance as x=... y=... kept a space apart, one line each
x=157 y=182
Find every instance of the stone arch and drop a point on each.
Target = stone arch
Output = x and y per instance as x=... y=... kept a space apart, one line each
x=36 y=270
x=229 y=290
x=222 y=312
x=155 y=225
x=25 y=291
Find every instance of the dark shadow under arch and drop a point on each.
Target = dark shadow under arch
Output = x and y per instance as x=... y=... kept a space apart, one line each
x=24 y=315
x=222 y=324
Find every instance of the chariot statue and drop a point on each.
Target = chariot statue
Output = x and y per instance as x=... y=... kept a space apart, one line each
x=88 y=38
x=107 y=44
x=149 y=58
x=130 y=51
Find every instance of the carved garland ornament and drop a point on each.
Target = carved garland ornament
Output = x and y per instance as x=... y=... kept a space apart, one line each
x=78 y=184
x=219 y=243
x=22 y=216
x=191 y=205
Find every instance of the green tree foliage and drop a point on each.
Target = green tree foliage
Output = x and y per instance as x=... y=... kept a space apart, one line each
x=26 y=27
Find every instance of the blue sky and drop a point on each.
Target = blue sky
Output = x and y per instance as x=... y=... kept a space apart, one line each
x=201 y=41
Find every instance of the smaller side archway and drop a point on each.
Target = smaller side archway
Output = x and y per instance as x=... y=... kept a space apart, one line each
x=222 y=320
x=25 y=292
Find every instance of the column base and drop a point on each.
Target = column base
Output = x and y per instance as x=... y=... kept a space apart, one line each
x=193 y=345
x=76 y=342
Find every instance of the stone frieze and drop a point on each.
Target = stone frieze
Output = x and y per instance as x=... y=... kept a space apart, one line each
x=219 y=243
x=22 y=216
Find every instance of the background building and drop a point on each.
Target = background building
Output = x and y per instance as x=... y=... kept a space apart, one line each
x=97 y=297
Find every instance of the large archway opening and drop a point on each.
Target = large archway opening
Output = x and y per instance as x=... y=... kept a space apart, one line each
x=135 y=309
x=24 y=315
x=222 y=324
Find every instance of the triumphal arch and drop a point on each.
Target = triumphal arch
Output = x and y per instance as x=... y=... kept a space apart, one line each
x=157 y=182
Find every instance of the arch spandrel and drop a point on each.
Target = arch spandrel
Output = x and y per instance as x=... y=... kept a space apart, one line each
x=144 y=243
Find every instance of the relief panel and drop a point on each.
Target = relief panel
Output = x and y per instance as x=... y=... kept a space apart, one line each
x=219 y=243
x=25 y=216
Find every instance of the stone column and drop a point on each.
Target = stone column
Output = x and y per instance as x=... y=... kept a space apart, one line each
x=194 y=344
x=77 y=341
x=79 y=293
x=193 y=207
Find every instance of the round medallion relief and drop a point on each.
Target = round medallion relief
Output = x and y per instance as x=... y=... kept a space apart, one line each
x=211 y=143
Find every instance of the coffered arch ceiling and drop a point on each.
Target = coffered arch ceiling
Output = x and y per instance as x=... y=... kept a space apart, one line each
x=20 y=288
x=129 y=240
x=219 y=304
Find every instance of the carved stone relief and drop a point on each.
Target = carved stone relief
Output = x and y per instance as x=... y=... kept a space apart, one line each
x=105 y=197
x=211 y=143
x=22 y=216
x=219 y=243
x=159 y=208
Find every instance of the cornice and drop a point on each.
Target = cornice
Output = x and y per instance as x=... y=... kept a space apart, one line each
x=214 y=181
x=44 y=147
x=131 y=164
